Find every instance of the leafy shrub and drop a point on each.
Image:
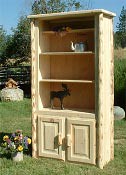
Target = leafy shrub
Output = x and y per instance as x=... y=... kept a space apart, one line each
x=120 y=82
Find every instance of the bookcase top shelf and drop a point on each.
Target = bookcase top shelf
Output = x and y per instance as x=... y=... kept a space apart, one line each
x=71 y=14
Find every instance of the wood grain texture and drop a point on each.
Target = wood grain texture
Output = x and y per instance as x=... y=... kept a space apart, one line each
x=107 y=117
x=108 y=89
x=81 y=13
x=112 y=91
x=104 y=89
x=34 y=52
x=49 y=129
x=34 y=149
x=81 y=138
x=99 y=89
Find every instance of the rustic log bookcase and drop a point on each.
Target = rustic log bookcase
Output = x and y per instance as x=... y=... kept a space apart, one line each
x=83 y=131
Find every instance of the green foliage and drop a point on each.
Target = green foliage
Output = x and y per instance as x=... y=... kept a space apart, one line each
x=21 y=39
x=3 y=42
x=52 y=6
x=120 y=74
x=120 y=36
x=117 y=43
x=120 y=81
x=18 y=44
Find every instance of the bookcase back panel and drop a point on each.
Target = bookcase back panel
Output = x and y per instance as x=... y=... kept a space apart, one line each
x=72 y=67
x=73 y=23
x=57 y=43
x=82 y=95
x=77 y=67
x=44 y=43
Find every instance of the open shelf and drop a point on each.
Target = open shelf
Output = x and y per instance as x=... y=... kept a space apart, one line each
x=67 y=81
x=71 y=112
x=59 y=43
x=71 y=31
x=66 y=68
x=67 y=53
x=82 y=95
x=59 y=64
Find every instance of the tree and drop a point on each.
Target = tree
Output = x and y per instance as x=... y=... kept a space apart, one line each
x=18 y=44
x=21 y=40
x=52 y=6
x=120 y=36
x=3 y=43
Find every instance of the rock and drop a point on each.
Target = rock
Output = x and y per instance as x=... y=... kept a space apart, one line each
x=12 y=94
x=119 y=113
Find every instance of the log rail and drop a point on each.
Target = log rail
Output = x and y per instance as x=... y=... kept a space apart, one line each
x=21 y=74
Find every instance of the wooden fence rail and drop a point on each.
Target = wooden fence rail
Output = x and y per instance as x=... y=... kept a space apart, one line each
x=21 y=74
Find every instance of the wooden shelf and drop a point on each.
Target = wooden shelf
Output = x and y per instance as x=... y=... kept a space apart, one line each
x=67 y=81
x=72 y=31
x=71 y=112
x=67 y=53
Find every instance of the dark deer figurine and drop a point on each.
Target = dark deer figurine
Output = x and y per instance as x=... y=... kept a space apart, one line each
x=60 y=95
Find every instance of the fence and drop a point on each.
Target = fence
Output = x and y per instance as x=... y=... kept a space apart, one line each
x=21 y=74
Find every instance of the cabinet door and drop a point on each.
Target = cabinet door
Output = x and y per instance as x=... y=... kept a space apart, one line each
x=51 y=132
x=81 y=140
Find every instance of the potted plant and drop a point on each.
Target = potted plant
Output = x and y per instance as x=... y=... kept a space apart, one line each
x=15 y=144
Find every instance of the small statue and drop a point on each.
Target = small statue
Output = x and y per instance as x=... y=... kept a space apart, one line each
x=11 y=83
x=60 y=95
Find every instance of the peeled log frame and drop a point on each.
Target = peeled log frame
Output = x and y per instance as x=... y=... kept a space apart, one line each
x=34 y=32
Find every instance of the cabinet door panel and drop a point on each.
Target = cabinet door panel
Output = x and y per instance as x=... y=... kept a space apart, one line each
x=51 y=132
x=81 y=139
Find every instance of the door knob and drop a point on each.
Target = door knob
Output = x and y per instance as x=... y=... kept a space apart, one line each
x=69 y=140
x=59 y=139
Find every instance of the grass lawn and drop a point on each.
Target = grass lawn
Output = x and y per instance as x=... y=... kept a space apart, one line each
x=17 y=115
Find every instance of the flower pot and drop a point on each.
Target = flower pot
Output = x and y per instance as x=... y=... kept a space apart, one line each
x=17 y=156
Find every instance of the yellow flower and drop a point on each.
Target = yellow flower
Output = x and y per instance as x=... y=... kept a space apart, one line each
x=16 y=138
x=29 y=141
x=20 y=148
x=5 y=137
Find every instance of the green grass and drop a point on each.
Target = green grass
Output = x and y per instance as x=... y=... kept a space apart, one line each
x=17 y=115
x=120 y=53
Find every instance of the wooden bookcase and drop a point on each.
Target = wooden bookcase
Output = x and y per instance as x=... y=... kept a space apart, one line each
x=83 y=131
